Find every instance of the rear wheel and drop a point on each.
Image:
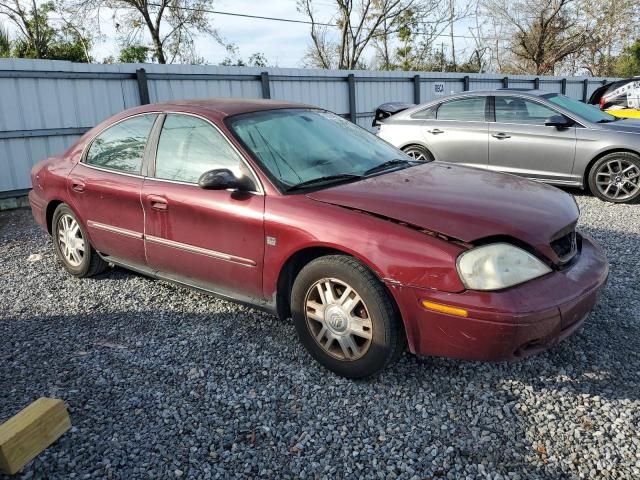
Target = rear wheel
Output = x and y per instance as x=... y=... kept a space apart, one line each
x=418 y=152
x=616 y=177
x=345 y=318
x=72 y=246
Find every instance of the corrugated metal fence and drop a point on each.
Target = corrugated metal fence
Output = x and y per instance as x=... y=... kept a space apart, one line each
x=46 y=105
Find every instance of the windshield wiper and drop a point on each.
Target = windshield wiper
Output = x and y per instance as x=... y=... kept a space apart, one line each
x=321 y=180
x=388 y=164
x=608 y=120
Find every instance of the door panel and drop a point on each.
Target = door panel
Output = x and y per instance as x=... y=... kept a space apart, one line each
x=211 y=239
x=459 y=134
x=520 y=142
x=109 y=206
x=105 y=188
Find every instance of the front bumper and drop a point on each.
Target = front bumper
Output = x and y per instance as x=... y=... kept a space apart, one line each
x=508 y=324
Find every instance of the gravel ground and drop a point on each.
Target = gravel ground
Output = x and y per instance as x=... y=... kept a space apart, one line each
x=164 y=382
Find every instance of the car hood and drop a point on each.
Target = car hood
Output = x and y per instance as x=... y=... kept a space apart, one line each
x=464 y=203
x=625 y=125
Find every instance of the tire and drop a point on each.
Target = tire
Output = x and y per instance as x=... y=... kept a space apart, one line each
x=616 y=177
x=418 y=152
x=85 y=262
x=379 y=340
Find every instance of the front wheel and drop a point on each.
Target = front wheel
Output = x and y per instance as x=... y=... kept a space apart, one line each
x=345 y=318
x=616 y=177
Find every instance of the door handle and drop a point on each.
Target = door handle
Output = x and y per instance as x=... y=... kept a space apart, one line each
x=501 y=136
x=435 y=131
x=157 y=202
x=77 y=185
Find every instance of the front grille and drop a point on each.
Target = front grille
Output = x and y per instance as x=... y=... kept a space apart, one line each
x=566 y=246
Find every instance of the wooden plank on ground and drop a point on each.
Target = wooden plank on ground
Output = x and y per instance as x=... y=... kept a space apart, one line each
x=30 y=431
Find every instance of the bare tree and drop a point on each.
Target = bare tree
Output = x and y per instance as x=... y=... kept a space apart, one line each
x=358 y=23
x=401 y=32
x=171 y=25
x=542 y=33
x=610 y=26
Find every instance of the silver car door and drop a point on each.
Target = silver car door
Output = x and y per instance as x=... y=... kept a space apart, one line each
x=459 y=133
x=521 y=143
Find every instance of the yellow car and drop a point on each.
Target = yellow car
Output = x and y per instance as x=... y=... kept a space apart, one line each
x=620 y=98
x=624 y=112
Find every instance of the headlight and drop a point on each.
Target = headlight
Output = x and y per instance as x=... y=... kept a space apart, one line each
x=496 y=266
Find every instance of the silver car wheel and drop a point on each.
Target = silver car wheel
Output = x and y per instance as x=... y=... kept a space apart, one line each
x=417 y=154
x=338 y=319
x=69 y=235
x=618 y=179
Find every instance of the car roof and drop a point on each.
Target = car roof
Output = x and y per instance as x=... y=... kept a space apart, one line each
x=506 y=91
x=230 y=106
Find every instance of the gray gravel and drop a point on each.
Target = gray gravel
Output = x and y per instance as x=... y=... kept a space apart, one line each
x=164 y=382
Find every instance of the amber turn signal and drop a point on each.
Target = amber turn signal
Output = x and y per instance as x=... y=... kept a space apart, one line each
x=438 y=307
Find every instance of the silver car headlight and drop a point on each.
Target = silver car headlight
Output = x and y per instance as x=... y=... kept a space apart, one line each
x=498 y=265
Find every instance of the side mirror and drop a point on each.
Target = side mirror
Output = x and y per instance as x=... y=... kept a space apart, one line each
x=224 y=179
x=558 y=121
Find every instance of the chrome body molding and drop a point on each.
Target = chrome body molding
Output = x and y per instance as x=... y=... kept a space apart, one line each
x=170 y=243
x=112 y=229
x=201 y=251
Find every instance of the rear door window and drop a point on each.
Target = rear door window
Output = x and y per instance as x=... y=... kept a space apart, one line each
x=471 y=109
x=121 y=146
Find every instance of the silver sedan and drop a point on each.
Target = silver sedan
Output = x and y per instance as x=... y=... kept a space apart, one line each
x=536 y=134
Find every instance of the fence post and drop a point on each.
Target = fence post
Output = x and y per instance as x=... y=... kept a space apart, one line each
x=465 y=83
x=563 y=86
x=266 y=88
x=352 y=97
x=585 y=89
x=143 y=87
x=505 y=82
x=416 y=89
x=536 y=83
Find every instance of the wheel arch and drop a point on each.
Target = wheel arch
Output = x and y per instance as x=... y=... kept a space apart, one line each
x=297 y=261
x=51 y=208
x=414 y=143
x=592 y=162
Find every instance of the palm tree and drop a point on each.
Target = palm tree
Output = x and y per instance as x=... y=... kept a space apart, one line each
x=5 y=41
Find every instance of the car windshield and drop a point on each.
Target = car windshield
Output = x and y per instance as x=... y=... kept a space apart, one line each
x=303 y=147
x=588 y=112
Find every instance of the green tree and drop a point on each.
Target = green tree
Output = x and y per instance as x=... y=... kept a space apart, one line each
x=134 y=54
x=5 y=42
x=628 y=63
x=38 y=38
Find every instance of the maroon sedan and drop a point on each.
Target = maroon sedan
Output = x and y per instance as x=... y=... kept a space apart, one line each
x=295 y=210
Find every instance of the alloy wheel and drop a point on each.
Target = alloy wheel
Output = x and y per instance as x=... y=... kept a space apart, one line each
x=417 y=154
x=618 y=179
x=72 y=245
x=338 y=319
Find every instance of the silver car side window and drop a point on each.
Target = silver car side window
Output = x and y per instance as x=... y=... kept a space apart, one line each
x=470 y=109
x=521 y=110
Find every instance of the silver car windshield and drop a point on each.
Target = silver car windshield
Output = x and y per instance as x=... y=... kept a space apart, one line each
x=588 y=112
x=299 y=147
